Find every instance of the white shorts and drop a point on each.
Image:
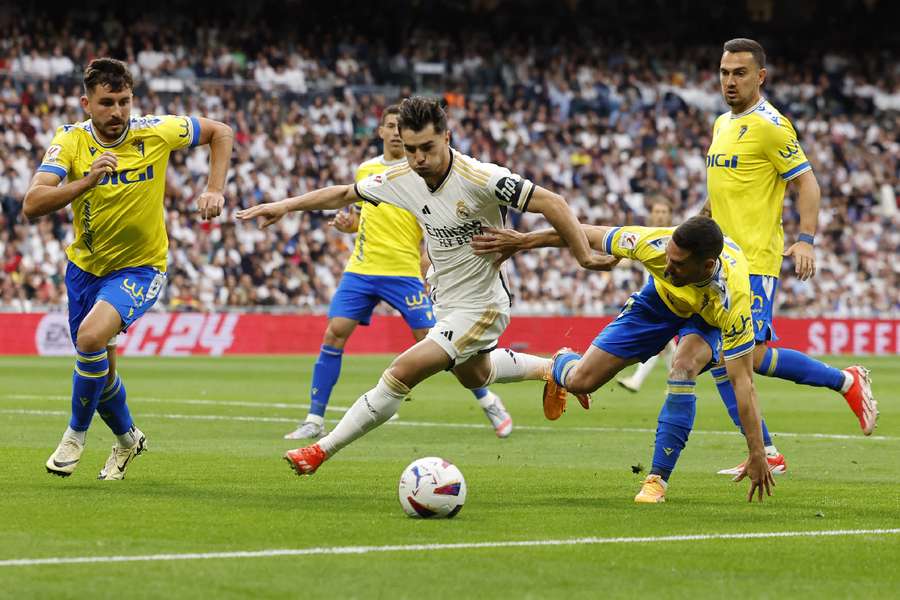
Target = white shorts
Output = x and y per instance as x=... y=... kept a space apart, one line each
x=463 y=333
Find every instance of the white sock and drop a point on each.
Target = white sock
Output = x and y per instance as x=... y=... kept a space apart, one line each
x=643 y=370
x=368 y=412
x=487 y=400
x=129 y=438
x=508 y=366
x=848 y=382
x=79 y=436
x=311 y=418
x=771 y=451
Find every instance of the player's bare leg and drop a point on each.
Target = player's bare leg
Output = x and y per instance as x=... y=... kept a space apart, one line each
x=580 y=375
x=490 y=403
x=376 y=406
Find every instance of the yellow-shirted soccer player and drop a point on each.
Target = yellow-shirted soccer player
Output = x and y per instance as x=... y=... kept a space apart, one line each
x=112 y=168
x=754 y=155
x=699 y=291
x=386 y=265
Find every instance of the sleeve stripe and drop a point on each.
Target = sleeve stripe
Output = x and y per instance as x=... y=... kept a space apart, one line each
x=358 y=193
x=195 y=125
x=45 y=168
x=739 y=351
x=528 y=198
x=801 y=168
x=607 y=241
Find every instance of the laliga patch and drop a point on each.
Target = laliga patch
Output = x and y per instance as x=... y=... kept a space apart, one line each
x=52 y=154
x=628 y=240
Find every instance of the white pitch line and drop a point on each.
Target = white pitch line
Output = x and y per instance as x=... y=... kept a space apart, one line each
x=192 y=401
x=400 y=422
x=333 y=550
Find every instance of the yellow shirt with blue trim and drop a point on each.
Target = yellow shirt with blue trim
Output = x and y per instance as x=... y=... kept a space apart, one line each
x=388 y=238
x=723 y=301
x=750 y=160
x=120 y=222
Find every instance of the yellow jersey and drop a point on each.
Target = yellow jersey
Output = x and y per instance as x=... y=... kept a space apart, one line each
x=388 y=238
x=120 y=222
x=750 y=160
x=723 y=301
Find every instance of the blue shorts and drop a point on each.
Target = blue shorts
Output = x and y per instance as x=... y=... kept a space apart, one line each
x=762 y=289
x=131 y=291
x=646 y=325
x=357 y=295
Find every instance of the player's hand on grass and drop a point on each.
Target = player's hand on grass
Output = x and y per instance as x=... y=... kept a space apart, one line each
x=104 y=164
x=757 y=469
x=267 y=213
x=344 y=221
x=209 y=204
x=804 y=259
x=504 y=242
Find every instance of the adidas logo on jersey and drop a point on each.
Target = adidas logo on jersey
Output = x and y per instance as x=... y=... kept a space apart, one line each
x=448 y=335
x=426 y=210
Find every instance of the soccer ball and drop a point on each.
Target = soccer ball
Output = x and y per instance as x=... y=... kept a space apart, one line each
x=432 y=487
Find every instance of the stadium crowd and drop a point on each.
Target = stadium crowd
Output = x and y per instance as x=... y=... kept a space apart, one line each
x=610 y=128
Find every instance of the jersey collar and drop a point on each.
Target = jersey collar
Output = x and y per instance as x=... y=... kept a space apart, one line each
x=446 y=175
x=755 y=107
x=121 y=138
x=715 y=274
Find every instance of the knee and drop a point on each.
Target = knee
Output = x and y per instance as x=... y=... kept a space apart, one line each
x=397 y=373
x=683 y=370
x=90 y=341
x=335 y=336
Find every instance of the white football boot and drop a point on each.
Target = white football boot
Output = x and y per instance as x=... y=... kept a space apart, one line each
x=65 y=458
x=119 y=459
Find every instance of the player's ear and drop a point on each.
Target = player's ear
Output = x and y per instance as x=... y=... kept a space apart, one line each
x=84 y=104
x=762 y=75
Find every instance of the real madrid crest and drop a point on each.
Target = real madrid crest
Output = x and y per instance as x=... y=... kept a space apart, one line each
x=462 y=211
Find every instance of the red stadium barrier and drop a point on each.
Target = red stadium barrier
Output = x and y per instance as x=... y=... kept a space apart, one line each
x=183 y=334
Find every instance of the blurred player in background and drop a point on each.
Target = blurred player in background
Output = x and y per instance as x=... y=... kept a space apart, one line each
x=386 y=265
x=453 y=197
x=113 y=170
x=660 y=216
x=753 y=155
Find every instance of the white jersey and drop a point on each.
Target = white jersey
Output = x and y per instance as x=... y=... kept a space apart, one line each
x=472 y=195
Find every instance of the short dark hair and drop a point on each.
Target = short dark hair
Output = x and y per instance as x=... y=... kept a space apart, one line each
x=109 y=72
x=700 y=236
x=417 y=112
x=747 y=45
x=393 y=109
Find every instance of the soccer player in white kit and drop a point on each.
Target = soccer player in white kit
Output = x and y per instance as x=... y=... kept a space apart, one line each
x=454 y=197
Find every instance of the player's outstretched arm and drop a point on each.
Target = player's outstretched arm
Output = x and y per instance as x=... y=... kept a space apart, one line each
x=329 y=198
x=560 y=216
x=45 y=195
x=507 y=242
x=808 y=199
x=220 y=137
x=740 y=372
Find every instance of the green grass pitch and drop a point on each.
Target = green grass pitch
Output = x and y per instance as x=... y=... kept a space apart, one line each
x=214 y=481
